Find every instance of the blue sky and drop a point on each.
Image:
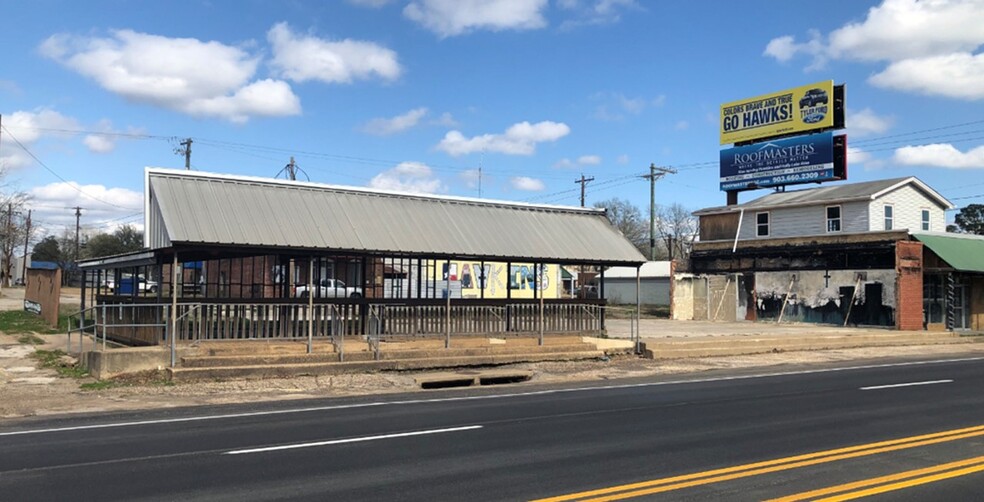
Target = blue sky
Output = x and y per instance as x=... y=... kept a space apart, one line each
x=418 y=95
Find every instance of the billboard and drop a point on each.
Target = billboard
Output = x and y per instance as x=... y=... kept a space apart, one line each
x=792 y=111
x=801 y=159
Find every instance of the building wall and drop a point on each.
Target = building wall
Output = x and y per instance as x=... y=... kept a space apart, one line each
x=653 y=290
x=825 y=296
x=908 y=203
x=806 y=220
x=718 y=226
x=722 y=298
x=909 y=315
x=683 y=297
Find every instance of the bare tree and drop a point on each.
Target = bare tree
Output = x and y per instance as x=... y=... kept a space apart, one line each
x=628 y=219
x=13 y=225
x=677 y=229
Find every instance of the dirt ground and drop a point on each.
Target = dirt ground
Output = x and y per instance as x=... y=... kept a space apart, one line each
x=26 y=390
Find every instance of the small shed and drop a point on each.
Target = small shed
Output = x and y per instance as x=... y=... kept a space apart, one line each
x=654 y=284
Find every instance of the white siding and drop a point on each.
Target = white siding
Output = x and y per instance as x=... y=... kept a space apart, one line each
x=908 y=203
x=807 y=220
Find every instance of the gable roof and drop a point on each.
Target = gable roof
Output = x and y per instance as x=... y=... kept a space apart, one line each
x=868 y=190
x=195 y=208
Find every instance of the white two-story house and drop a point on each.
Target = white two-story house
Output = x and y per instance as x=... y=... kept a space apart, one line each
x=839 y=253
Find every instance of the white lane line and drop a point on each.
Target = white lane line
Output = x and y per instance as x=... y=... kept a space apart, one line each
x=482 y=397
x=910 y=384
x=353 y=440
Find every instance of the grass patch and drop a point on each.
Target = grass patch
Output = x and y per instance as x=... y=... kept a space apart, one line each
x=648 y=312
x=100 y=385
x=19 y=321
x=53 y=359
x=30 y=339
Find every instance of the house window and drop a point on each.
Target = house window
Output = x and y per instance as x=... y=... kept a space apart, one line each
x=889 y=216
x=925 y=220
x=833 y=218
x=762 y=224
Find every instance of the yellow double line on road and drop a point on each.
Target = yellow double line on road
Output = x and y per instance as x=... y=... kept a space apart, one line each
x=639 y=489
x=892 y=482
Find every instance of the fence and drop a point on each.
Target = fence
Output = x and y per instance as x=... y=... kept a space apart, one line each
x=150 y=323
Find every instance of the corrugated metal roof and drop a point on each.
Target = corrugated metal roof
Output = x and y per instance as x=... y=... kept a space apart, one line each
x=831 y=193
x=962 y=252
x=210 y=209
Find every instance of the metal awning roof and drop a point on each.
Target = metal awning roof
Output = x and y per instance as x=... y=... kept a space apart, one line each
x=192 y=208
x=963 y=253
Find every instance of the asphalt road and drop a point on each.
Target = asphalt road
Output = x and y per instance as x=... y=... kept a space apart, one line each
x=912 y=431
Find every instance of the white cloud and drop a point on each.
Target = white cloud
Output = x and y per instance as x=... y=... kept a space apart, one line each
x=399 y=123
x=903 y=29
x=622 y=159
x=857 y=156
x=940 y=155
x=959 y=76
x=526 y=184
x=682 y=125
x=301 y=58
x=929 y=45
x=203 y=79
x=448 y=18
x=615 y=104
x=96 y=215
x=445 y=120
x=28 y=127
x=866 y=121
x=584 y=160
x=595 y=12
x=519 y=139
x=99 y=143
x=408 y=177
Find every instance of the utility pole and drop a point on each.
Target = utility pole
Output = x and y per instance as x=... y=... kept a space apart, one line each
x=8 y=245
x=78 y=217
x=290 y=171
x=583 y=181
x=27 y=240
x=186 y=151
x=655 y=173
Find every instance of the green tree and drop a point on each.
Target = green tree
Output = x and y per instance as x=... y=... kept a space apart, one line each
x=971 y=219
x=628 y=219
x=125 y=239
x=47 y=250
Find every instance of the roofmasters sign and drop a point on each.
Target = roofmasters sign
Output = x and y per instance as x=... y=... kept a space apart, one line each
x=797 y=110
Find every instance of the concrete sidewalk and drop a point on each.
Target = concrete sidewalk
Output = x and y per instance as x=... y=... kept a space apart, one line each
x=666 y=328
x=667 y=339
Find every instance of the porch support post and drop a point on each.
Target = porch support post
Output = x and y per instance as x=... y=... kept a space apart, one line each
x=538 y=271
x=601 y=295
x=310 y=290
x=951 y=290
x=174 y=308
x=638 y=315
x=447 y=308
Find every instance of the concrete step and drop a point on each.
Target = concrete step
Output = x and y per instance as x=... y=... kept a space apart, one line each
x=728 y=346
x=247 y=359
x=289 y=370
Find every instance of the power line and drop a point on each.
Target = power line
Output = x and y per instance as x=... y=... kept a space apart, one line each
x=55 y=174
